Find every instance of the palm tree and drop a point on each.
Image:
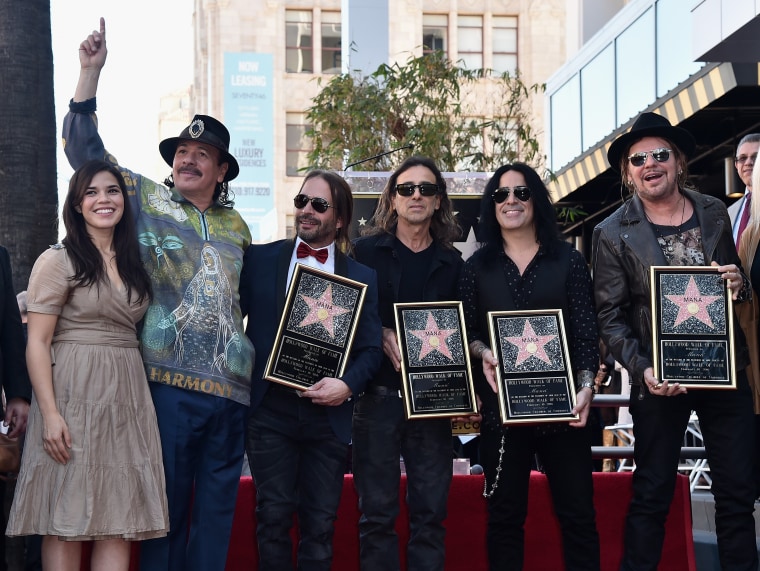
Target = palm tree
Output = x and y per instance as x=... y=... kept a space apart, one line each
x=28 y=194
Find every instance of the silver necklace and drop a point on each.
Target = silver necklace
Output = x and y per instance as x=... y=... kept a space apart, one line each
x=678 y=233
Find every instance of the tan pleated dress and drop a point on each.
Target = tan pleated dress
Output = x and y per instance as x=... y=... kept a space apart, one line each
x=113 y=485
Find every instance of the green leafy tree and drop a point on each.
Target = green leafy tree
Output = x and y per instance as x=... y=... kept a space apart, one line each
x=465 y=119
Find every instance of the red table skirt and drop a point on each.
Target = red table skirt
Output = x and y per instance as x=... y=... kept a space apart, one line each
x=466 y=527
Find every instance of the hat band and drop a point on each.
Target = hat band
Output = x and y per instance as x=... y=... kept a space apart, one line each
x=207 y=137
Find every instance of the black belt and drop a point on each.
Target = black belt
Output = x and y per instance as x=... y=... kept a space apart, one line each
x=382 y=391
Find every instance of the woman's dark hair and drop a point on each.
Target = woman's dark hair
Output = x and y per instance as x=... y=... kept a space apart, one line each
x=87 y=260
x=444 y=226
x=342 y=201
x=544 y=216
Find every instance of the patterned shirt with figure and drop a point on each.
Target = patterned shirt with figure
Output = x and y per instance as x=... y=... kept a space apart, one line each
x=192 y=336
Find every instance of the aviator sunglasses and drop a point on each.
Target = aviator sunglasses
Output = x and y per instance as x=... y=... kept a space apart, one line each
x=660 y=155
x=426 y=189
x=318 y=204
x=522 y=193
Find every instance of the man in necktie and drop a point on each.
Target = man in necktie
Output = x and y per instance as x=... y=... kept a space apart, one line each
x=747 y=245
x=744 y=161
x=297 y=441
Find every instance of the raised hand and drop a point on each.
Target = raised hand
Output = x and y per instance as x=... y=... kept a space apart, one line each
x=92 y=51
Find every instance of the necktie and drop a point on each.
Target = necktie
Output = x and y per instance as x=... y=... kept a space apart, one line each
x=744 y=219
x=304 y=251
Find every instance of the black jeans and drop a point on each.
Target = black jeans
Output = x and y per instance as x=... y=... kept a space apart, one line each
x=565 y=454
x=298 y=465
x=727 y=423
x=381 y=434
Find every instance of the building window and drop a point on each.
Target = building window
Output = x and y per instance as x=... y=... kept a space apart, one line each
x=297 y=144
x=470 y=36
x=504 y=44
x=331 y=54
x=299 y=57
x=435 y=29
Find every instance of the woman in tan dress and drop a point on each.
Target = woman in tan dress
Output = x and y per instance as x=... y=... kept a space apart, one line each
x=92 y=467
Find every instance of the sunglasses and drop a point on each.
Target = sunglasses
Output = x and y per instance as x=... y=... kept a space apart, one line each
x=425 y=188
x=522 y=193
x=318 y=204
x=660 y=155
x=741 y=159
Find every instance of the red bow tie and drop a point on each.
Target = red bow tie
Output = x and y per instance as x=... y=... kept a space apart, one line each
x=304 y=251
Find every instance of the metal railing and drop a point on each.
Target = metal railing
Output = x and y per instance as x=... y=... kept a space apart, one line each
x=621 y=452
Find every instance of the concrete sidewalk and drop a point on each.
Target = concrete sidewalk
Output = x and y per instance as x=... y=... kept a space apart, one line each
x=703 y=525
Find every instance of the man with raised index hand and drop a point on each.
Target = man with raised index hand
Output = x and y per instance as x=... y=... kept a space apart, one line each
x=298 y=441
x=197 y=358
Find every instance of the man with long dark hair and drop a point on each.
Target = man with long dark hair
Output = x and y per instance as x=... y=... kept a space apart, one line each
x=297 y=441
x=14 y=379
x=523 y=264
x=409 y=244
x=197 y=358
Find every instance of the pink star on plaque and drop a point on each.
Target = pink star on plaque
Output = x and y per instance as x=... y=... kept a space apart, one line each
x=529 y=344
x=433 y=338
x=693 y=303
x=322 y=311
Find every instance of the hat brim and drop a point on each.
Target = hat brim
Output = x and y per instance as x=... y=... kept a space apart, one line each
x=681 y=138
x=168 y=148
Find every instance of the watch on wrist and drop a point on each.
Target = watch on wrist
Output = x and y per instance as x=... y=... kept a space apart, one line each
x=588 y=385
x=586 y=380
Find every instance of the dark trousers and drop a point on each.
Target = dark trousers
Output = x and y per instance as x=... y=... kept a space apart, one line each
x=298 y=465
x=202 y=440
x=727 y=424
x=381 y=434
x=757 y=456
x=565 y=454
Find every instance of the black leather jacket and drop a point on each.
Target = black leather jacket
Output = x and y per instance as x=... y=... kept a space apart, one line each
x=624 y=248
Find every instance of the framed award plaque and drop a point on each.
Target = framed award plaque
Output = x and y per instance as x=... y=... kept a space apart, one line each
x=435 y=361
x=316 y=329
x=692 y=326
x=534 y=377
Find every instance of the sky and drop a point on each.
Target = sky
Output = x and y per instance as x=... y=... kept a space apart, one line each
x=150 y=54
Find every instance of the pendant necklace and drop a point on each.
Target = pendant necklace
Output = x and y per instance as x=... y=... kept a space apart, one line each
x=678 y=235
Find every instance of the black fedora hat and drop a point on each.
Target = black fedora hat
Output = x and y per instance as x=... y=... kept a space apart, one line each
x=203 y=129
x=650 y=125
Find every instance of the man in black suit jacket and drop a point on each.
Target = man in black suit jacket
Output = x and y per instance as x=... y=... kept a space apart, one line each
x=297 y=441
x=13 y=376
x=409 y=242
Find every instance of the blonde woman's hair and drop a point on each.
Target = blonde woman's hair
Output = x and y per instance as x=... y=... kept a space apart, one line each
x=751 y=234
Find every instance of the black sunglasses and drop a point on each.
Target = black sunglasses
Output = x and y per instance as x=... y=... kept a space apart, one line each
x=660 y=155
x=522 y=193
x=425 y=188
x=318 y=204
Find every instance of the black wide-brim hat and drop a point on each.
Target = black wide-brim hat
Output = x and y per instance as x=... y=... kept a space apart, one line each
x=203 y=129
x=650 y=125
